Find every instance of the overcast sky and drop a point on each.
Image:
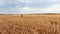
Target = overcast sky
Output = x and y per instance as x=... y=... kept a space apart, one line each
x=29 y=6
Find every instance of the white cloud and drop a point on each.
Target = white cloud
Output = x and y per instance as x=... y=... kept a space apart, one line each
x=25 y=1
x=37 y=0
x=5 y=2
x=21 y=0
x=53 y=9
x=2 y=2
x=28 y=8
x=25 y=10
x=55 y=0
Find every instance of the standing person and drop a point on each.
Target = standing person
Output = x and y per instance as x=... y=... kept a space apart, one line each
x=21 y=15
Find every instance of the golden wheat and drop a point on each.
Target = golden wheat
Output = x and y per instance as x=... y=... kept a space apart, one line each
x=30 y=24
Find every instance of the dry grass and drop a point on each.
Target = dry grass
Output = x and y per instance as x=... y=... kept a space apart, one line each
x=30 y=24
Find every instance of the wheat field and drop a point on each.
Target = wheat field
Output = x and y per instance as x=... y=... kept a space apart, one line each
x=30 y=24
